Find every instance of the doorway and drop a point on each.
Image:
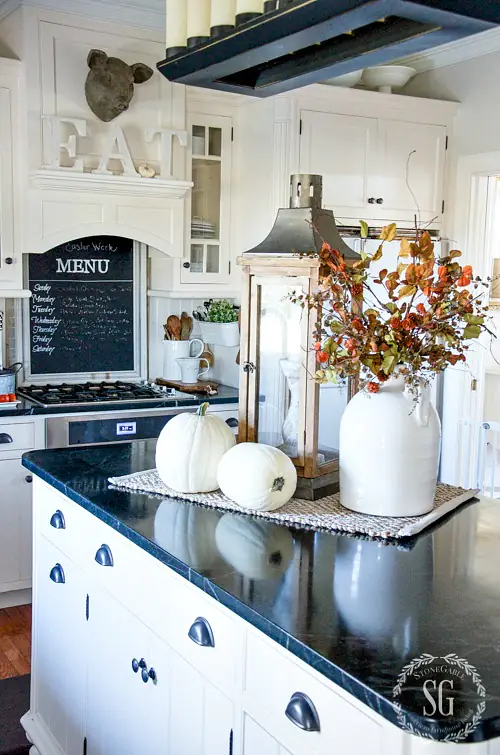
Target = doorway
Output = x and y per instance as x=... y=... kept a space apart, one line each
x=471 y=406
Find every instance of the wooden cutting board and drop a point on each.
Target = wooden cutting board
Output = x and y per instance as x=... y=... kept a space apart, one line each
x=202 y=386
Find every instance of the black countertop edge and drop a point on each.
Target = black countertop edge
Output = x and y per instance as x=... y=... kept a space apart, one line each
x=487 y=729
x=270 y=629
x=27 y=408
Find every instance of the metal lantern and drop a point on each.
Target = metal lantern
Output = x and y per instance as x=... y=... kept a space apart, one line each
x=280 y=403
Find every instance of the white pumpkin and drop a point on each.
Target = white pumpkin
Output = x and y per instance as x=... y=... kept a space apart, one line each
x=257 y=477
x=189 y=449
x=256 y=549
x=187 y=532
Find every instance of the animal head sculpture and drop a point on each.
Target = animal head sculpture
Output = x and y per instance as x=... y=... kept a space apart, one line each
x=109 y=87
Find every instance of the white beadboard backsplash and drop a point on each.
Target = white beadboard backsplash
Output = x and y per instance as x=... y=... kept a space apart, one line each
x=225 y=369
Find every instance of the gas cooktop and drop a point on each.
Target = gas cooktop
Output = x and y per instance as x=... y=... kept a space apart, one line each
x=70 y=394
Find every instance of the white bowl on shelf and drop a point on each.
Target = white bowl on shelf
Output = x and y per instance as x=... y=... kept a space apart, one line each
x=387 y=78
x=346 y=80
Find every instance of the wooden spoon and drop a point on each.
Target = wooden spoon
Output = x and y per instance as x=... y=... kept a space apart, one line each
x=186 y=326
x=174 y=326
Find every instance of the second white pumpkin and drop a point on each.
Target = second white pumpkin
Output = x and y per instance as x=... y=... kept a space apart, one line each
x=189 y=449
x=257 y=477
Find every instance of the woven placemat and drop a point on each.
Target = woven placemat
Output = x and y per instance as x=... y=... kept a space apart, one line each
x=326 y=514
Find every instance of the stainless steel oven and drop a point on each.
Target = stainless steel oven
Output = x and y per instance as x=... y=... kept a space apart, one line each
x=102 y=428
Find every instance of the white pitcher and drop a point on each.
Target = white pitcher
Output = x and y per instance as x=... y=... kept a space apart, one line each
x=389 y=452
x=174 y=350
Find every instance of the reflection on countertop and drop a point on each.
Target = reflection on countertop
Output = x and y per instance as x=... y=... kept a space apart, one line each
x=355 y=609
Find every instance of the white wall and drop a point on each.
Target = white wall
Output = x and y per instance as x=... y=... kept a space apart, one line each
x=475 y=84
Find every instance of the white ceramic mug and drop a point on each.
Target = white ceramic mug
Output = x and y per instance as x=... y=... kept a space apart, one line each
x=174 y=350
x=190 y=369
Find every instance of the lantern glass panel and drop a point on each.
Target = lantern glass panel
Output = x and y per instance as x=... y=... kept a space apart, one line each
x=279 y=360
x=332 y=402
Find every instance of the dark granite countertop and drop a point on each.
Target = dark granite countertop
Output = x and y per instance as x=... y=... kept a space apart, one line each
x=225 y=395
x=356 y=610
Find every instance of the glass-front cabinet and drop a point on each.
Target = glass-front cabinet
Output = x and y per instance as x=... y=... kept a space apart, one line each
x=208 y=231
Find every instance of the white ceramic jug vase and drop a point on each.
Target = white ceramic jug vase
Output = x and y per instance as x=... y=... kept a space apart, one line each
x=389 y=452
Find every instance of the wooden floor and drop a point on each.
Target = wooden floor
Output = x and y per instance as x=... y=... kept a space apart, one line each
x=15 y=641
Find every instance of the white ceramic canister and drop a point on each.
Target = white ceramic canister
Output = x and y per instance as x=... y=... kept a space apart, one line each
x=389 y=451
x=174 y=350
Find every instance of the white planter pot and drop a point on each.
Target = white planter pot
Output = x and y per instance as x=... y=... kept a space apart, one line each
x=389 y=452
x=220 y=333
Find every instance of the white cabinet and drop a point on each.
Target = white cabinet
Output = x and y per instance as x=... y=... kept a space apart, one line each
x=15 y=526
x=17 y=435
x=208 y=216
x=115 y=693
x=375 y=169
x=59 y=647
x=10 y=131
x=411 y=160
x=341 y=148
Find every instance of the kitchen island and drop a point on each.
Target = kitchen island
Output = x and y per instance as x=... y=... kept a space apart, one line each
x=165 y=627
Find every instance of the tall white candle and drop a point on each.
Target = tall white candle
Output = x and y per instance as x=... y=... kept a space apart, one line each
x=176 y=23
x=198 y=18
x=249 y=6
x=222 y=12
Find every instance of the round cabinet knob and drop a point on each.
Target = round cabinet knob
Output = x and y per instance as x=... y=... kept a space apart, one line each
x=142 y=663
x=379 y=200
x=145 y=675
x=187 y=265
x=9 y=260
x=248 y=367
x=371 y=200
x=29 y=478
x=135 y=665
x=152 y=675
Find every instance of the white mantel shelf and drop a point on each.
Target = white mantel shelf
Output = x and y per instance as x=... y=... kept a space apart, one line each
x=67 y=180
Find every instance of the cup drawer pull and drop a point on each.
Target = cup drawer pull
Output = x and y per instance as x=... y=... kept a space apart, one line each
x=6 y=438
x=57 y=574
x=57 y=520
x=201 y=633
x=104 y=557
x=301 y=712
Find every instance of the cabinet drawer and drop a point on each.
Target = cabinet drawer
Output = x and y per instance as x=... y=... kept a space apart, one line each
x=16 y=437
x=272 y=680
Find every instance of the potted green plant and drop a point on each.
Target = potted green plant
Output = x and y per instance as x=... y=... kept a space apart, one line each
x=219 y=326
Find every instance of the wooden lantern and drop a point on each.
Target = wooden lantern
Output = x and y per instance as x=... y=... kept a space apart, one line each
x=280 y=402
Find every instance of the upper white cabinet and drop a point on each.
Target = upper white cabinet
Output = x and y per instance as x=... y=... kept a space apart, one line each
x=410 y=171
x=341 y=148
x=10 y=169
x=375 y=169
x=208 y=216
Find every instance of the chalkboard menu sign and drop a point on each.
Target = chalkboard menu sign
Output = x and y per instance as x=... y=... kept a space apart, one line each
x=82 y=307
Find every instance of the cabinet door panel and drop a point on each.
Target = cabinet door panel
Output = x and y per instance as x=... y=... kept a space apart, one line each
x=201 y=717
x=340 y=148
x=6 y=186
x=116 y=697
x=15 y=525
x=208 y=216
x=258 y=740
x=416 y=149
x=59 y=647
